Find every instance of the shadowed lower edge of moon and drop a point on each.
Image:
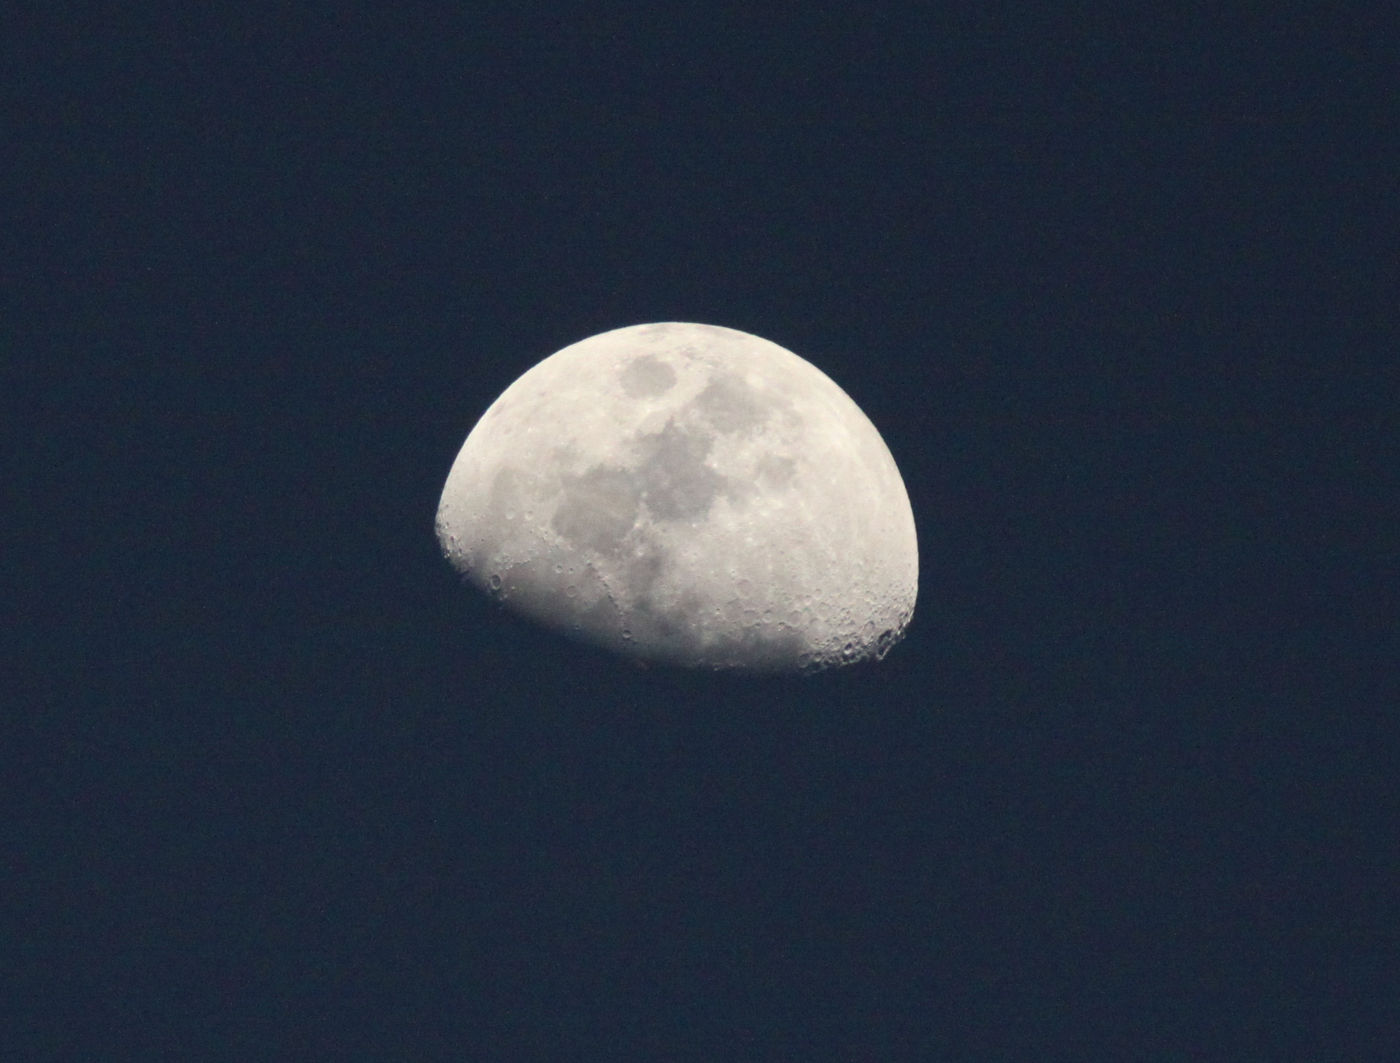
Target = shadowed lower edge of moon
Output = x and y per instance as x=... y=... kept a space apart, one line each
x=607 y=559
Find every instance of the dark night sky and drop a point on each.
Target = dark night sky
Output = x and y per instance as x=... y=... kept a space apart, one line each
x=1118 y=292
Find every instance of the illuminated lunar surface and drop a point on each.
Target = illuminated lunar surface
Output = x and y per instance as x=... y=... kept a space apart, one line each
x=687 y=494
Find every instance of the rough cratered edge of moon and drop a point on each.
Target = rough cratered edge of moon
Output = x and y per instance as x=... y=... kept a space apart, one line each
x=625 y=524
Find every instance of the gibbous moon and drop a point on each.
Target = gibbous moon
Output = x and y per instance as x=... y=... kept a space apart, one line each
x=687 y=494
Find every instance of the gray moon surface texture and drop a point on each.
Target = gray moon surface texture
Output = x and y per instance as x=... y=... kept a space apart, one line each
x=691 y=495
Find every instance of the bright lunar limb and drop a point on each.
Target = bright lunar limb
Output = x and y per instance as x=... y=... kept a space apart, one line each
x=687 y=494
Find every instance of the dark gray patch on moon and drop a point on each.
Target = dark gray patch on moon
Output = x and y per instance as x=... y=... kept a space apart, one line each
x=775 y=471
x=646 y=377
x=598 y=509
x=729 y=404
x=674 y=480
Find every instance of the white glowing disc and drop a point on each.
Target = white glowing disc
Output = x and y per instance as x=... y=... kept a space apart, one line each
x=688 y=494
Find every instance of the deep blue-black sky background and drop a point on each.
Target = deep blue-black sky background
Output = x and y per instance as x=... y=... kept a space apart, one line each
x=1118 y=291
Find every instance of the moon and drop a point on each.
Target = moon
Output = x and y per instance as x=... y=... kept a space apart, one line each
x=690 y=495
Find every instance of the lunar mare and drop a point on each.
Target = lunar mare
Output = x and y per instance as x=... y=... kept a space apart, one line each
x=687 y=494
